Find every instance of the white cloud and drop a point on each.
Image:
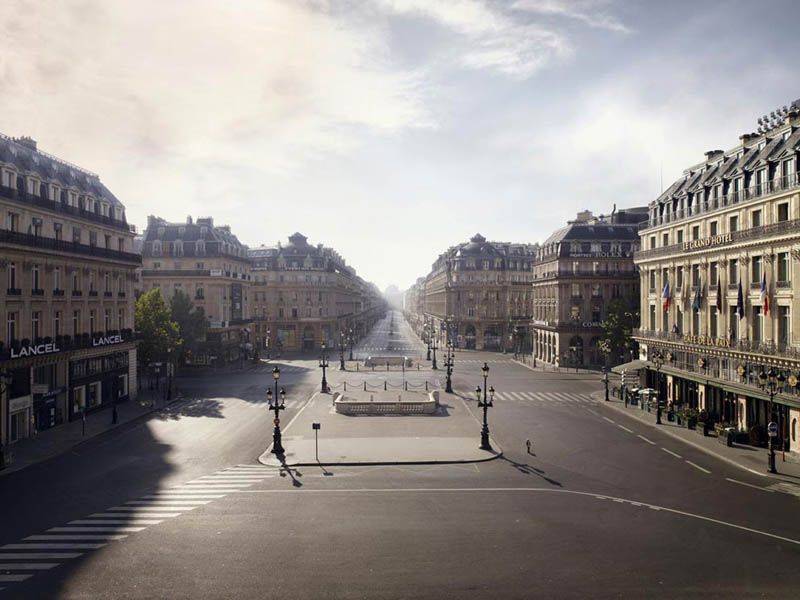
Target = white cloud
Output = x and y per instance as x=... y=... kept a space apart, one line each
x=490 y=39
x=589 y=12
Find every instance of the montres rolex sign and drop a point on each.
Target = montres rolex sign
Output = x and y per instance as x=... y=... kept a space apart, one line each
x=705 y=340
x=714 y=240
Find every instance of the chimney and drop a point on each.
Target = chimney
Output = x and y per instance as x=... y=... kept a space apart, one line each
x=188 y=219
x=713 y=155
x=26 y=141
x=744 y=138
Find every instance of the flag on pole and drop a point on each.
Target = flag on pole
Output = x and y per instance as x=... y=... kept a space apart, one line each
x=665 y=296
x=719 y=296
x=764 y=296
x=740 y=302
x=698 y=298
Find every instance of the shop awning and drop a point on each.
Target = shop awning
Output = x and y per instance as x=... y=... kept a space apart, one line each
x=634 y=365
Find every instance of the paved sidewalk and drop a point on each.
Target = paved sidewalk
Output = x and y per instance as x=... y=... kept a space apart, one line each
x=53 y=442
x=450 y=436
x=744 y=456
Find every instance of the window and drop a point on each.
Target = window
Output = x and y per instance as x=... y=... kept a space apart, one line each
x=106 y=283
x=58 y=229
x=652 y=317
x=12 y=276
x=652 y=242
x=35 y=278
x=783 y=211
x=783 y=326
x=755 y=218
x=76 y=281
x=652 y=280
x=755 y=271
x=733 y=320
x=665 y=239
x=713 y=270
x=76 y=235
x=57 y=323
x=92 y=239
x=107 y=320
x=695 y=275
x=713 y=330
x=57 y=278
x=121 y=318
x=696 y=232
x=198 y=294
x=680 y=236
x=12 y=223
x=76 y=322
x=576 y=290
x=597 y=292
x=121 y=244
x=91 y=281
x=92 y=323
x=733 y=223
x=11 y=327
x=597 y=313
x=757 y=324
x=679 y=278
x=733 y=271
x=35 y=319
x=783 y=267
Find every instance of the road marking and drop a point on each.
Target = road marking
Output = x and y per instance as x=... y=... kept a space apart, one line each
x=52 y=546
x=136 y=515
x=167 y=502
x=26 y=566
x=652 y=443
x=542 y=490
x=596 y=414
x=625 y=428
x=758 y=487
x=95 y=529
x=698 y=467
x=154 y=506
x=609 y=420
x=73 y=538
x=11 y=578
x=671 y=452
x=39 y=555
x=175 y=495
x=134 y=520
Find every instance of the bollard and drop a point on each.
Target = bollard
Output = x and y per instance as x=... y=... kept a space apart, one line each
x=387 y=366
x=405 y=385
x=365 y=386
x=384 y=385
x=356 y=367
x=345 y=386
x=426 y=386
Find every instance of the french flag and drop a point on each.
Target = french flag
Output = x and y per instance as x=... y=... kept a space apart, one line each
x=665 y=296
x=764 y=295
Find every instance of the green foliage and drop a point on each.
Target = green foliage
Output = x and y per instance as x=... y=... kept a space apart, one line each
x=158 y=332
x=621 y=319
x=191 y=320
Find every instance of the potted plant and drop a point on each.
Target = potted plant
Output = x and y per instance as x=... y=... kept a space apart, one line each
x=691 y=418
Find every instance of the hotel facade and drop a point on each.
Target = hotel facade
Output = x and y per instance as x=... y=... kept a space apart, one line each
x=67 y=259
x=719 y=263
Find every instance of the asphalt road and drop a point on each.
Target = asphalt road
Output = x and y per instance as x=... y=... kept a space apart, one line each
x=603 y=506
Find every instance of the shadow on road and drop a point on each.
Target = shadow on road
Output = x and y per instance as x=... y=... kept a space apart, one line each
x=531 y=470
x=198 y=407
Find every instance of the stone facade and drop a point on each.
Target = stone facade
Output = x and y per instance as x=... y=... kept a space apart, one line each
x=581 y=270
x=67 y=260
x=210 y=265
x=304 y=295
x=479 y=293
x=728 y=226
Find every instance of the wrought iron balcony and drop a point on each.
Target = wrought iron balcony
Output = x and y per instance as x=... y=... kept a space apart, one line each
x=769 y=348
x=34 y=241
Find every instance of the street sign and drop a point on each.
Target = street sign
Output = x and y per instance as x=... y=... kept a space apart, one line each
x=772 y=429
x=315 y=426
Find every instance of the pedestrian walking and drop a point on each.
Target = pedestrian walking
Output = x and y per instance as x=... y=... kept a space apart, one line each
x=528 y=445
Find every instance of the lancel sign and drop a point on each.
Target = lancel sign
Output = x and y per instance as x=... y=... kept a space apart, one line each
x=714 y=240
x=34 y=350
x=107 y=340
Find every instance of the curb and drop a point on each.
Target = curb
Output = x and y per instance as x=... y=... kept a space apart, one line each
x=494 y=456
x=697 y=446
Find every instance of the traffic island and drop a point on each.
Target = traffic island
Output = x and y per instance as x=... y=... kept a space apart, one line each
x=382 y=434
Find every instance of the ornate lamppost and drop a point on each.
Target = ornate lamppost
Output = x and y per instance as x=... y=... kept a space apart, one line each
x=605 y=380
x=269 y=331
x=771 y=382
x=341 y=351
x=658 y=361
x=427 y=329
x=323 y=364
x=277 y=447
x=350 y=339
x=434 y=346
x=448 y=363
x=485 y=404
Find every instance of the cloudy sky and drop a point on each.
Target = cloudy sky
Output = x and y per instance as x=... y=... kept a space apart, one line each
x=390 y=129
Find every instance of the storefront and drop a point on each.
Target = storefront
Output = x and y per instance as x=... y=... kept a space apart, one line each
x=97 y=382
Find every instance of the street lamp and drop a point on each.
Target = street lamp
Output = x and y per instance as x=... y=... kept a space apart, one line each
x=485 y=404
x=658 y=361
x=323 y=363
x=771 y=382
x=341 y=351
x=428 y=340
x=605 y=381
x=277 y=448
x=434 y=346
x=269 y=332
x=449 y=364
x=351 y=343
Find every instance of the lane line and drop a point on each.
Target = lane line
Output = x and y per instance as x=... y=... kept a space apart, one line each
x=624 y=428
x=758 y=487
x=609 y=420
x=696 y=466
x=675 y=454
x=652 y=443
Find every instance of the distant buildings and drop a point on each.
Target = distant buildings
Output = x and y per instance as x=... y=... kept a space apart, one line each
x=67 y=260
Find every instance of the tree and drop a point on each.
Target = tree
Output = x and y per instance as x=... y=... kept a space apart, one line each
x=191 y=320
x=621 y=319
x=158 y=333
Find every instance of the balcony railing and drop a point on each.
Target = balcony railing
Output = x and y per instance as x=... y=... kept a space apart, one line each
x=51 y=244
x=775 y=186
x=29 y=199
x=58 y=293
x=761 y=232
x=776 y=349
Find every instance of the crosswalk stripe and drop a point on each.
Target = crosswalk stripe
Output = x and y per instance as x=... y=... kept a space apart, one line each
x=167 y=502
x=550 y=397
x=38 y=555
x=55 y=538
x=211 y=486
x=95 y=529
x=136 y=515
x=134 y=520
x=52 y=546
x=183 y=495
x=155 y=506
x=26 y=566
